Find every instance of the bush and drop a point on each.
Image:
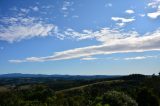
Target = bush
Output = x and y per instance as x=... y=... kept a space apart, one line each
x=114 y=98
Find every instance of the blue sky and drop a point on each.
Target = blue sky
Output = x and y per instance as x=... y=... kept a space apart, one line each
x=85 y=37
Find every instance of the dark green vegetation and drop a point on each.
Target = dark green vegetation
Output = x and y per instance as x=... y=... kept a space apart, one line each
x=132 y=90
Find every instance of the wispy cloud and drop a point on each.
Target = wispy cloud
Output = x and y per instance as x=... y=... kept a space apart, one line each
x=129 y=11
x=89 y=58
x=24 y=10
x=125 y=20
x=18 y=28
x=154 y=4
x=72 y=34
x=35 y=8
x=140 y=57
x=108 y=5
x=154 y=15
x=122 y=21
x=65 y=7
x=142 y=15
x=105 y=35
x=125 y=44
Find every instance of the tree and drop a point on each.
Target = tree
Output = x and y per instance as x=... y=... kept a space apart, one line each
x=153 y=75
x=147 y=98
x=115 y=98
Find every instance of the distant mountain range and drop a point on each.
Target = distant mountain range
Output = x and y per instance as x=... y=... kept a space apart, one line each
x=20 y=75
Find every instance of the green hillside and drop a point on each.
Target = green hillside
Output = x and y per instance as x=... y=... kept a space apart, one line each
x=133 y=90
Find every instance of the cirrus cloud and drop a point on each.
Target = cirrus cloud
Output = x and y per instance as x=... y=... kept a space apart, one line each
x=89 y=58
x=18 y=28
x=123 y=44
x=122 y=21
x=140 y=57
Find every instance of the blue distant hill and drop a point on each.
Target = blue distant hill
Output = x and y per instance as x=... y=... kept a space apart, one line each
x=20 y=75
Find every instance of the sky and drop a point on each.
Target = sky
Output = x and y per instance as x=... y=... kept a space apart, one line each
x=80 y=37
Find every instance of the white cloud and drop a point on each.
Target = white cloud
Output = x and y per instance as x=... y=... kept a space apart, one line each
x=142 y=15
x=35 y=8
x=154 y=15
x=139 y=57
x=154 y=4
x=122 y=21
x=121 y=24
x=89 y=58
x=105 y=35
x=23 y=28
x=129 y=11
x=127 y=42
x=48 y=6
x=71 y=34
x=24 y=10
x=125 y=20
x=66 y=7
x=66 y=4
